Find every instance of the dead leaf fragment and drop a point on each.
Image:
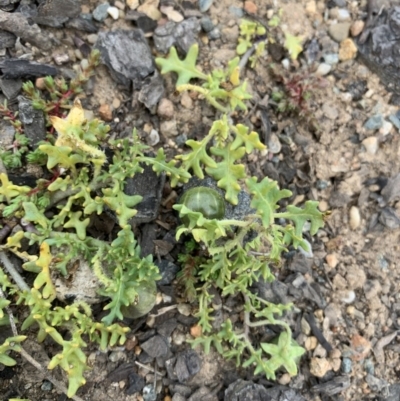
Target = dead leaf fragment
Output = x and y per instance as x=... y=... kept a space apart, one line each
x=172 y=14
x=383 y=342
x=150 y=8
x=360 y=346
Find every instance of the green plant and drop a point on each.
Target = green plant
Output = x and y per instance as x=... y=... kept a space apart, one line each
x=236 y=253
x=53 y=100
x=249 y=32
x=227 y=254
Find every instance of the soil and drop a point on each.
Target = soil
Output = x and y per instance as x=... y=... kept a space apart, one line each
x=325 y=154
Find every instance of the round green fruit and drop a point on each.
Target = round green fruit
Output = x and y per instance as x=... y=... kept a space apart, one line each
x=144 y=302
x=205 y=200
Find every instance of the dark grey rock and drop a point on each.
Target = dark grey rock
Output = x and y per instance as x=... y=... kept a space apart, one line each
x=206 y=24
x=7 y=5
x=46 y=386
x=379 y=48
x=389 y=218
x=182 y=35
x=177 y=388
x=393 y=393
x=135 y=384
x=178 y=397
x=180 y=140
x=357 y=89
x=334 y=386
x=377 y=385
x=16 y=68
x=301 y=289
x=121 y=373
x=149 y=185
x=185 y=365
x=127 y=55
x=346 y=365
x=166 y=328
x=214 y=34
x=391 y=191
x=395 y=120
x=22 y=27
x=82 y=24
x=339 y=199
x=321 y=184
x=242 y=390
x=204 y=5
x=10 y=87
x=203 y=393
x=54 y=22
x=374 y=122
x=149 y=235
x=275 y=292
x=152 y=91
x=168 y=271
x=7 y=133
x=100 y=12
x=7 y=39
x=156 y=346
x=33 y=121
x=142 y=21
x=369 y=366
x=55 y=13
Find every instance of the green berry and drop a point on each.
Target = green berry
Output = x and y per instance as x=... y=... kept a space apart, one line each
x=205 y=200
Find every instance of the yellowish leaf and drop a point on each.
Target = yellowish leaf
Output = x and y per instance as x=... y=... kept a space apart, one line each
x=293 y=45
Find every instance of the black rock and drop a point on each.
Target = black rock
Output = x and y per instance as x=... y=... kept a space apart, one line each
x=82 y=24
x=378 y=48
x=152 y=91
x=156 y=346
x=185 y=365
x=182 y=35
x=168 y=271
x=7 y=39
x=33 y=121
x=166 y=328
x=142 y=21
x=389 y=218
x=334 y=386
x=242 y=390
x=149 y=185
x=135 y=384
x=394 y=393
x=16 y=68
x=127 y=56
x=10 y=87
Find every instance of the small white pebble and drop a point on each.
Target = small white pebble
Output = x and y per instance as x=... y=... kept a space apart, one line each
x=348 y=297
x=113 y=12
x=386 y=128
x=346 y=97
x=343 y=14
x=285 y=63
x=371 y=144
x=153 y=138
x=323 y=69
x=355 y=217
